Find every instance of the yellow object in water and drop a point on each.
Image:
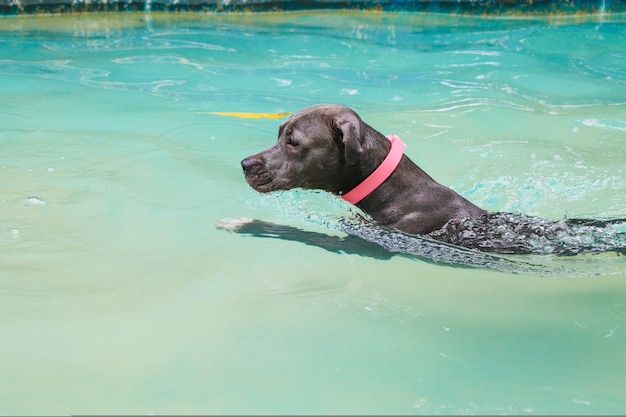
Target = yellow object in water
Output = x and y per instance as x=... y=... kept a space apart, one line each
x=244 y=115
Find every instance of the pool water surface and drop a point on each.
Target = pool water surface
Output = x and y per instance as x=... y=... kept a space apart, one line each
x=118 y=295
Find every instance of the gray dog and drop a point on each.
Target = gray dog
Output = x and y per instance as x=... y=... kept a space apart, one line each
x=329 y=147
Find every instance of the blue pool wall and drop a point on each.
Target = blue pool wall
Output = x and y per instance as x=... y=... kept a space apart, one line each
x=506 y=7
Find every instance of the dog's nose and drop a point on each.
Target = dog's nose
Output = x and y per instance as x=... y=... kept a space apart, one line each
x=247 y=164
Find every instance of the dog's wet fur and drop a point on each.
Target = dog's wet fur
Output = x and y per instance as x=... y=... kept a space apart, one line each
x=329 y=147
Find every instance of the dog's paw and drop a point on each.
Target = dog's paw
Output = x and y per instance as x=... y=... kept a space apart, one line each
x=232 y=225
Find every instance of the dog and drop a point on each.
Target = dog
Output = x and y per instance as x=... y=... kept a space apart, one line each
x=329 y=147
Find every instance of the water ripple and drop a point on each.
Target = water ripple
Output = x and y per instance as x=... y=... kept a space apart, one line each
x=62 y=70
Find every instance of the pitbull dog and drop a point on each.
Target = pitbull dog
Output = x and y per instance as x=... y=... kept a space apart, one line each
x=329 y=147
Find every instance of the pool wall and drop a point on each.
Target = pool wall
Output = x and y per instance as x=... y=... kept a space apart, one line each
x=507 y=7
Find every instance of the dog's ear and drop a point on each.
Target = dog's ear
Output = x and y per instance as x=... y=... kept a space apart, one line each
x=348 y=126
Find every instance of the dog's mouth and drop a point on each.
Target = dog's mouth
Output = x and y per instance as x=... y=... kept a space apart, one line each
x=257 y=176
x=261 y=181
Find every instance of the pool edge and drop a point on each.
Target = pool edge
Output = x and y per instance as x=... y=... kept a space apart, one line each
x=471 y=7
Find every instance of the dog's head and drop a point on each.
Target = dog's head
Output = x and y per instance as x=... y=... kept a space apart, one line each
x=319 y=147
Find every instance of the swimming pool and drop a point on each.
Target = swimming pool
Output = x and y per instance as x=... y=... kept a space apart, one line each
x=120 y=296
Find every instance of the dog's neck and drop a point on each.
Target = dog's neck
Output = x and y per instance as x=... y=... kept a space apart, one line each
x=409 y=199
x=380 y=174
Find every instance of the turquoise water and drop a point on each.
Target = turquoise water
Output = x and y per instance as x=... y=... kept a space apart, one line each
x=118 y=294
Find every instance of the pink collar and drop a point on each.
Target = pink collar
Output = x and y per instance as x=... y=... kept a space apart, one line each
x=380 y=174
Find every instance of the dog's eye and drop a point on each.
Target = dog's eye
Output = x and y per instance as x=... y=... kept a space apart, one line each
x=289 y=139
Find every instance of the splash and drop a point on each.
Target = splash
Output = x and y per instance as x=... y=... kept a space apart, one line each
x=430 y=250
x=35 y=201
x=367 y=239
x=515 y=233
x=535 y=246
